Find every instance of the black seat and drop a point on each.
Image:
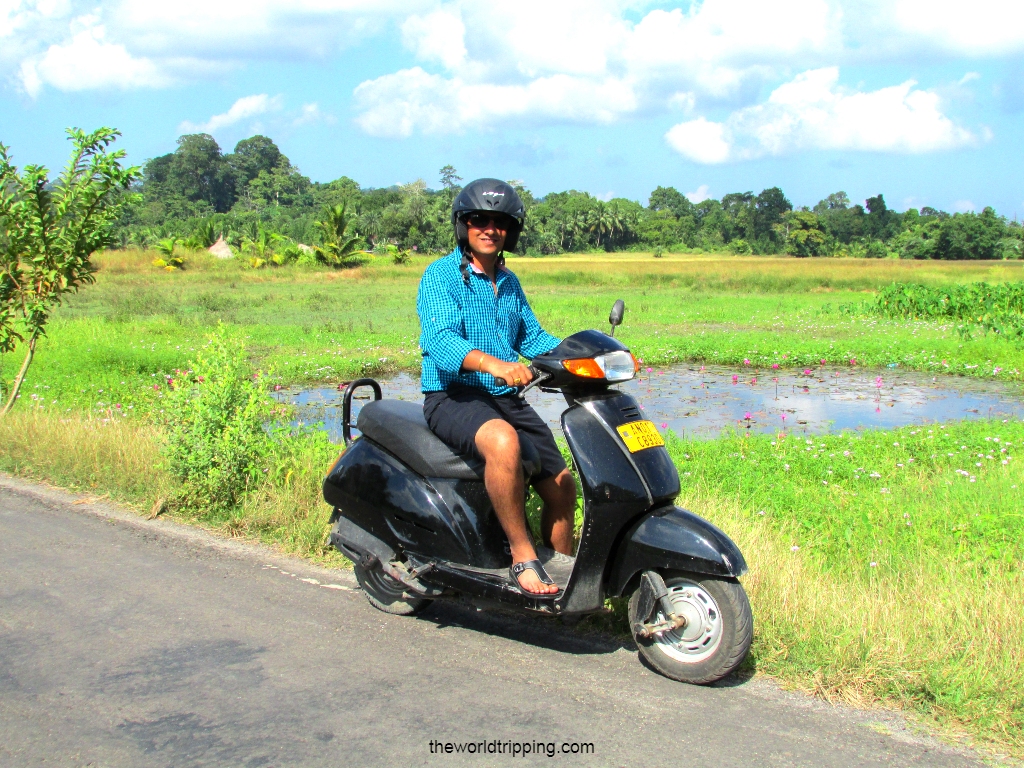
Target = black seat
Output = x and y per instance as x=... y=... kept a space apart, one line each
x=400 y=427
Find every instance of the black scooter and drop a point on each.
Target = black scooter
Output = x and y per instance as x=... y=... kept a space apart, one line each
x=415 y=519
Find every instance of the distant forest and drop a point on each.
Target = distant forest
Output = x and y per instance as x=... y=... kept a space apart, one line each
x=255 y=195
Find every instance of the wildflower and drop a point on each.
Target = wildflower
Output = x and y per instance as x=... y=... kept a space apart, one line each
x=277 y=387
x=872 y=564
x=875 y=475
x=846 y=453
x=761 y=512
x=156 y=386
x=775 y=366
x=1005 y=462
x=786 y=467
x=746 y=361
x=794 y=548
x=118 y=406
x=883 y=490
x=977 y=464
x=822 y=362
x=853 y=361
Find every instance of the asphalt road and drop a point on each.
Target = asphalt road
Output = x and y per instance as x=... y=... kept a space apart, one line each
x=125 y=642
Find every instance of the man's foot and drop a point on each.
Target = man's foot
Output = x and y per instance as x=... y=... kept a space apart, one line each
x=531 y=578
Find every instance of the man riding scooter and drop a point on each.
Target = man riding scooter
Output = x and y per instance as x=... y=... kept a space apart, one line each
x=476 y=324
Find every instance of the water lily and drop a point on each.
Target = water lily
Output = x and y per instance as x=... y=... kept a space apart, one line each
x=807 y=371
x=775 y=366
x=746 y=361
x=735 y=378
x=746 y=416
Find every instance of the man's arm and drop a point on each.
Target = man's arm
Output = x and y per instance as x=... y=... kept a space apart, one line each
x=441 y=323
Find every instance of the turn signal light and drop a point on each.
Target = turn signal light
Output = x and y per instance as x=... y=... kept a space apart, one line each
x=613 y=366
x=584 y=367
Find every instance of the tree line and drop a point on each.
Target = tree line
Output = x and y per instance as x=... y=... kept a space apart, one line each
x=254 y=194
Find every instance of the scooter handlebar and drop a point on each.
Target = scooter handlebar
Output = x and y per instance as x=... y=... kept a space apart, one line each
x=533 y=372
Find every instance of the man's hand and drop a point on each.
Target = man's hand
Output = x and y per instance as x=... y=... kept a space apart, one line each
x=514 y=374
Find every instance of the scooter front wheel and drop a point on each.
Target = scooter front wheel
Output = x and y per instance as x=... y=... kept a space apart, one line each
x=387 y=594
x=717 y=634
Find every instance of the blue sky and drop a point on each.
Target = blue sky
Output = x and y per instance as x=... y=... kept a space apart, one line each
x=921 y=100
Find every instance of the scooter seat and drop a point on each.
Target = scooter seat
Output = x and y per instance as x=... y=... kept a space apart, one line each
x=400 y=428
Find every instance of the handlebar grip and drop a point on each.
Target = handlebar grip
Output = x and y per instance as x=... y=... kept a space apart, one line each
x=500 y=382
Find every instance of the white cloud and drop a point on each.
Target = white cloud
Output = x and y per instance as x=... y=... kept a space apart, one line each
x=700 y=140
x=963 y=206
x=311 y=113
x=979 y=28
x=437 y=36
x=245 y=107
x=813 y=112
x=88 y=61
x=411 y=99
x=582 y=60
x=702 y=193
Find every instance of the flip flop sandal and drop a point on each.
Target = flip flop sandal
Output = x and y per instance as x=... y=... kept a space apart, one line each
x=536 y=567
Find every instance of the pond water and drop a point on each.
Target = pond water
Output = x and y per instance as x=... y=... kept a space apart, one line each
x=700 y=402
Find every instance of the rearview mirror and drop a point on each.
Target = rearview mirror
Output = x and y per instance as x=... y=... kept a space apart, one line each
x=615 y=318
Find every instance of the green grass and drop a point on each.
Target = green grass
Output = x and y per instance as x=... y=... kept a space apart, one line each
x=129 y=332
x=911 y=596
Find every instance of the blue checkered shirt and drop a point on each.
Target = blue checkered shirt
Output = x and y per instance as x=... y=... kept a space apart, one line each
x=456 y=318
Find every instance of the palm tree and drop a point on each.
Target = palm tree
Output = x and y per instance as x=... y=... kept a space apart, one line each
x=336 y=248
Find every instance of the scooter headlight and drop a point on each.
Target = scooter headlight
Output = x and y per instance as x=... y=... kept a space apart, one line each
x=614 y=366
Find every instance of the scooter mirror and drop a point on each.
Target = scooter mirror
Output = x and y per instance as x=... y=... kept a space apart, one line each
x=615 y=318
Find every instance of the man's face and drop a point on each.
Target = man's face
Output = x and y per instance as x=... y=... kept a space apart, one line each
x=486 y=232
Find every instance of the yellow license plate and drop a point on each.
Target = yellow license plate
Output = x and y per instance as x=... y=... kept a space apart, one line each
x=638 y=435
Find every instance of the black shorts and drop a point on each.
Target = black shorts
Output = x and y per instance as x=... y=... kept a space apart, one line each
x=456 y=415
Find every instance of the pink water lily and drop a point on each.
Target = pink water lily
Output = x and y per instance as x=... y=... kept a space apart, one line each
x=664 y=425
x=808 y=371
x=746 y=361
x=775 y=366
x=735 y=378
x=754 y=380
x=747 y=416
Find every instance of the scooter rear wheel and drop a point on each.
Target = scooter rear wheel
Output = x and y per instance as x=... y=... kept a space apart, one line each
x=717 y=634
x=387 y=594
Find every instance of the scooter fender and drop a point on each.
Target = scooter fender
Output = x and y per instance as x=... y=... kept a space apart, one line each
x=675 y=539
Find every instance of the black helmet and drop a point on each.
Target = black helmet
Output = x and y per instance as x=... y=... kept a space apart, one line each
x=489 y=195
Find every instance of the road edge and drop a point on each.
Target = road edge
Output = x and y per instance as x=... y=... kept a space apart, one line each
x=192 y=535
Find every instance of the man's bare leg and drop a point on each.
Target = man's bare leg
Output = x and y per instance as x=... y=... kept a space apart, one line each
x=498 y=443
x=556 y=523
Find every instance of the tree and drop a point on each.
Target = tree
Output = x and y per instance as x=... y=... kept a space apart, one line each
x=670 y=199
x=450 y=179
x=336 y=247
x=253 y=156
x=49 y=232
x=769 y=209
x=802 y=234
x=970 y=236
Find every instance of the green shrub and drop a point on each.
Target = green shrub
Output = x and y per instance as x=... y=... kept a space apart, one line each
x=217 y=445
